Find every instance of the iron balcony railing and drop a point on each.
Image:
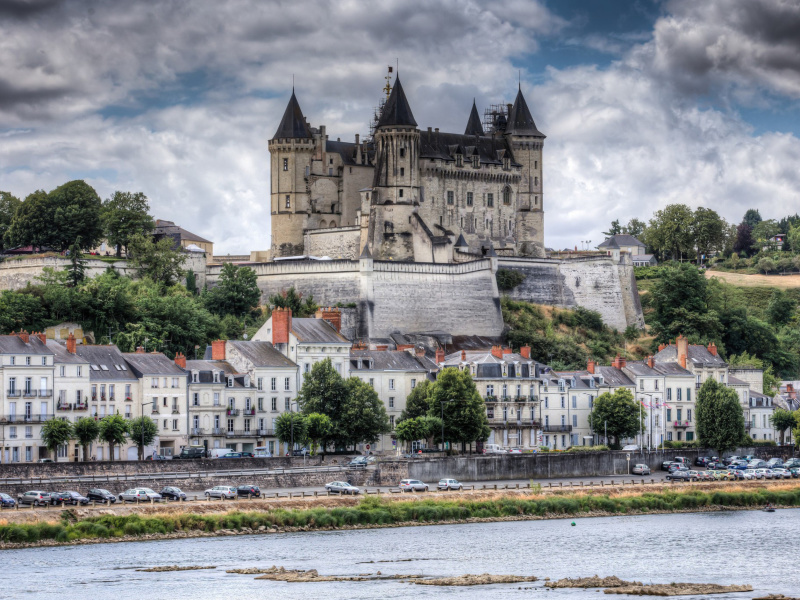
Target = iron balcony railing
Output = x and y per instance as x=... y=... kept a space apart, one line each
x=45 y=393
x=217 y=431
x=265 y=432
x=681 y=424
x=197 y=431
x=13 y=393
x=232 y=412
x=249 y=412
x=64 y=406
x=557 y=428
x=236 y=433
x=31 y=418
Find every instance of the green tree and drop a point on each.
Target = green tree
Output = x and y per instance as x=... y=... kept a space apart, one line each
x=793 y=237
x=719 y=417
x=125 y=215
x=76 y=214
x=618 y=414
x=781 y=308
x=324 y=392
x=292 y=426
x=86 y=432
x=412 y=430
x=158 y=260
x=766 y=264
x=76 y=270
x=782 y=420
x=752 y=218
x=236 y=292
x=708 y=231
x=31 y=222
x=765 y=231
x=142 y=430
x=508 y=279
x=615 y=229
x=293 y=299
x=417 y=401
x=455 y=395
x=20 y=311
x=670 y=231
x=8 y=208
x=319 y=428
x=680 y=301
x=191 y=281
x=635 y=227
x=744 y=242
x=363 y=416
x=55 y=433
x=113 y=431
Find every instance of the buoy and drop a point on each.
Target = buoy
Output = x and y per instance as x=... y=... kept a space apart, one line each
x=573 y=523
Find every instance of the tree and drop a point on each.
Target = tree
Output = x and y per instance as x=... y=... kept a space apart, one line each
x=412 y=430
x=292 y=427
x=782 y=420
x=324 y=392
x=20 y=311
x=319 y=427
x=708 y=231
x=794 y=238
x=142 y=430
x=236 y=292
x=765 y=231
x=55 y=433
x=30 y=225
x=719 y=417
x=293 y=299
x=766 y=264
x=508 y=279
x=752 y=218
x=158 y=260
x=670 y=231
x=76 y=214
x=76 y=271
x=615 y=229
x=635 y=227
x=417 y=401
x=8 y=208
x=744 y=240
x=86 y=432
x=125 y=215
x=191 y=281
x=781 y=307
x=680 y=299
x=617 y=414
x=113 y=431
x=455 y=395
x=363 y=416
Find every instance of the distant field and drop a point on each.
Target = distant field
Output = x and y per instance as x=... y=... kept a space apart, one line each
x=743 y=280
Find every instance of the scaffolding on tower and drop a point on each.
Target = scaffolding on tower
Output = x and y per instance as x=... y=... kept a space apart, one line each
x=491 y=115
x=378 y=110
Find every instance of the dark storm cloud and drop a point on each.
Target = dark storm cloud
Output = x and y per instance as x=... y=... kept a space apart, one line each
x=23 y=9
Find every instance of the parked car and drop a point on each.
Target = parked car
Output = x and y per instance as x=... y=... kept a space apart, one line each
x=191 y=452
x=733 y=475
x=705 y=476
x=249 y=490
x=665 y=465
x=412 y=485
x=139 y=494
x=360 y=462
x=45 y=460
x=792 y=462
x=640 y=470
x=156 y=457
x=231 y=455
x=794 y=472
x=37 y=498
x=781 y=473
x=68 y=497
x=774 y=462
x=248 y=455
x=738 y=465
x=221 y=491
x=630 y=448
x=450 y=484
x=749 y=474
x=757 y=464
x=749 y=457
x=729 y=459
x=681 y=475
x=702 y=461
x=101 y=495
x=7 y=501
x=173 y=493
x=676 y=466
x=763 y=473
x=341 y=487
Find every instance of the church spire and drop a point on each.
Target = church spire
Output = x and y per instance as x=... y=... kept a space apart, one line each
x=474 y=126
x=293 y=124
x=520 y=121
x=396 y=111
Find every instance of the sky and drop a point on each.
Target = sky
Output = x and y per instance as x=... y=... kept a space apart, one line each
x=644 y=102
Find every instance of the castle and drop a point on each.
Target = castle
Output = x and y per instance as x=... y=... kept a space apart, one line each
x=409 y=195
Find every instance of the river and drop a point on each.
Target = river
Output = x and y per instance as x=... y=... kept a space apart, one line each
x=748 y=547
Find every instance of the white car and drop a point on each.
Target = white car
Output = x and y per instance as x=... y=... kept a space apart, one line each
x=139 y=494
x=221 y=491
x=781 y=473
x=750 y=474
x=341 y=487
x=413 y=485
x=630 y=448
x=763 y=474
x=450 y=484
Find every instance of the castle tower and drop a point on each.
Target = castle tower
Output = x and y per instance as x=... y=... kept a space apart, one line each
x=291 y=150
x=396 y=181
x=526 y=143
x=474 y=125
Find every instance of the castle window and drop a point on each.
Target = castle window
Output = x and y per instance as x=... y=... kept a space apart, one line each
x=490 y=200
x=536 y=200
x=285 y=164
x=536 y=164
x=459 y=160
x=476 y=161
x=402 y=152
x=288 y=201
x=330 y=162
x=402 y=172
x=450 y=197
x=506 y=163
x=469 y=198
x=307 y=171
x=535 y=181
x=330 y=172
x=401 y=193
x=507 y=195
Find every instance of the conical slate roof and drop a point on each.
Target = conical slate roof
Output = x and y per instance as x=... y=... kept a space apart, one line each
x=396 y=111
x=293 y=124
x=520 y=121
x=461 y=242
x=365 y=253
x=474 y=126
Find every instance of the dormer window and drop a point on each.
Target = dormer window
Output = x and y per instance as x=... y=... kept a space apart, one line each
x=506 y=163
x=476 y=161
x=459 y=160
x=194 y=376
x=216 y=376
x=230 y=381
x=247 y=381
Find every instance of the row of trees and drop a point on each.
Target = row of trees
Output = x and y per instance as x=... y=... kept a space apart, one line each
x=113 y=430
x=73 y=210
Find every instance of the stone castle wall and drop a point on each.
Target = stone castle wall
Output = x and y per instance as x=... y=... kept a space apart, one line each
x=338 y=243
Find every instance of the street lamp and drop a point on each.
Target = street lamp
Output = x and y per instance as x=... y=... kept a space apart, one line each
x=441 y=404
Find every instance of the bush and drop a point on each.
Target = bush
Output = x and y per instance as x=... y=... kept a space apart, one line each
x=508 y=279
x=600 y=448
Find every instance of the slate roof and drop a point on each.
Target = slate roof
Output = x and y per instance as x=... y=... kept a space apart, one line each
x=169 y=227
x=152 y=364
x=388 y=360
x=397 y=111
x=613 y=376
x=293 y=124
x=698 y=355
x=642 y=257
x=12 y=344
x=316 y=331
x=736 y=381
x=62 y=356
x=365 y=253
x=261 y=354
x=110 y=362
x=206 y=368
x=445 y=146
x=461 y=242
x=474 y=125
x=347 y=151
x=520 y=121
x=622 y=239
x=659 y=369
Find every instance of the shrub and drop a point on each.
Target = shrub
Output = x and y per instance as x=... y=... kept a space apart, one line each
x=508 y=279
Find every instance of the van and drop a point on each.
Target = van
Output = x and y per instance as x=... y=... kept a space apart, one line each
x=261 y=452
x=494 y=449
x=219 y=452
x=192 y=452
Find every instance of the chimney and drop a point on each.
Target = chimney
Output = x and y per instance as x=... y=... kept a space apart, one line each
x=24 y=336
x=525 y=352
x=439 y=356
x=71 y=344
x=419 y=351
x=506 y=351
x=682 y=344
x=331 y=315
x=497 y=352
x=281 y=325
x=218 y=350
x=139 y=349
x=661 y=347
x=42 y=336
x=510 y=106
x=712 y=347
x=619 y=362
x=651 y=362
x=464 y=355
x=180 y=360
x=590 y=366
x=405 y=346
x=357 y=138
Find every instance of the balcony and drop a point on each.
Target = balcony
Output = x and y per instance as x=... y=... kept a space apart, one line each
x=102 y=397
x=111 y=397
x=45 y=393
x=197 y=431
x=491 y=398
x=128 y=399
x=249 y=412
x=64 y=406
x=265 y=432
x=29 y=393
x=236 y=433
x=80 y=406
x=232 y=412
x=176 y=410
x=13 y=393
x=681 y=424
x=557 y=428
x=31 y=418
x=217 y=431
x=748 y=425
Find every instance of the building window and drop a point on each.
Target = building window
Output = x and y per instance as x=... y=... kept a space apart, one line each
x=459 y=160
x=469 y=198
x=507 y=195
x=63 y=371
x=689 y=414
x=413 y=383
x=371 y=382
x=574 y=402
x=260 y=382
x=288 y=406
x=80 y=371
x=274 y=384
x=13 y=360
x=669 y=393
x=196 y=399
x=216 y=398
x=247 y=425
x=391 y=384
x=230 y=425
x=655 y=382
x=260 y=404
x=287 y=385
x=490 y=200
x=285 y=164
x=401 y=193
x=402 y=172
x=391 y=421
x=563 y=403
x=174 y=424
x=274 y=405
x=44 y=360
x=574 y=420
x=402 y=152
x=678 y=394
x=27 y=360
x=391 y=401
x=450 y=197
x=288 y=201
x=688 y=394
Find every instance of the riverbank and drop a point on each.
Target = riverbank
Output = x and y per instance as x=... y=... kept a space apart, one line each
x=183 y=521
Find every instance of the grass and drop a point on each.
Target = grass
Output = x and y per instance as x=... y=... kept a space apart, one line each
x=375 y=511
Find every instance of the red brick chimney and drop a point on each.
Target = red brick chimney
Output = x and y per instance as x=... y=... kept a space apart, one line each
x=651 y=362
x=497 y=352
x=419 y=351
x=218 y=349
x=463 y=355
x=661 y=347
x=42 y=336
x=139 y=349
x=525 y=352
x=712 y=347
x=619 y=362
x=180 y=360
x=281 y=325
x=331 y=315
x=71 y=344
x=24 y=336
x=439 y=356
x=682 y=344
x=506 y=351
x=590 y=366
x=405 y=346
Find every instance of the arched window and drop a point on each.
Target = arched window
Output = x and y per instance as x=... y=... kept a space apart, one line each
x=507 y=195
